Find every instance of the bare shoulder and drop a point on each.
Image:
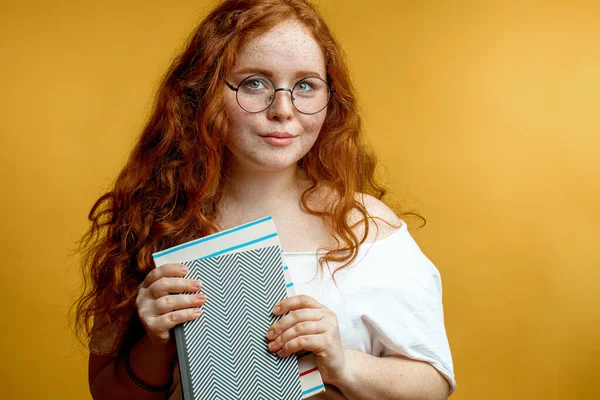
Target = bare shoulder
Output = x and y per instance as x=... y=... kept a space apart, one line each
x=383 y=221
x=378 y=209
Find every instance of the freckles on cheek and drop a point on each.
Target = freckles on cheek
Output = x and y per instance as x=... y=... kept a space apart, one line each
x=314 y=124
x=234 y=118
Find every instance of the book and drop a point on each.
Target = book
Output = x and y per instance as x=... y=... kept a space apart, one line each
x=223 y=353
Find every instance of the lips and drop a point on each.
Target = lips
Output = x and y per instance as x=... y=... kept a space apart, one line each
x=279 y=138
x=279 y=135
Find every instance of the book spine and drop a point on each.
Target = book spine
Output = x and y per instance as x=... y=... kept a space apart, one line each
x=184 y=372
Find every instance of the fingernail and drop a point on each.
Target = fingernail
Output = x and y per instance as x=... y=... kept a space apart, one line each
x=270 y=335
x=201 y=296
x=184 y=269
x=196 y=284
x=197 y=312
x=276 y=310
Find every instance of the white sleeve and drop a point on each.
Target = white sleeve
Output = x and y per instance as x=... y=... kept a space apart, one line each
x=429 y=341
x=420 y=335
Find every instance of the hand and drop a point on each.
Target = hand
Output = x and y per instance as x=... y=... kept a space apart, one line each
x=158 y=310
x=309 y=326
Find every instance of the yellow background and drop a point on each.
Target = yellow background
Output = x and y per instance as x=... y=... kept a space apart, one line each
x=486 y=115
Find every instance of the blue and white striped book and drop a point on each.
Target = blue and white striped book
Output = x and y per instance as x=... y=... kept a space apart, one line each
x=223 y=354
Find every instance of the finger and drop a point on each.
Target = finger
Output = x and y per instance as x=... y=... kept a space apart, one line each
x=174 y=302
x=295 y=303
x=312 y=343
x=293 y=318
x=167 y=285
x=165 y=270
x=301 y=329
x=170 y=320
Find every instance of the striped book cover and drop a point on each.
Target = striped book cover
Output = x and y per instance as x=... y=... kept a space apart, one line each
x=244 y=275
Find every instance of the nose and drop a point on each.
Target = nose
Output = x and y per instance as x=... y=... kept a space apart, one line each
x=282 y=107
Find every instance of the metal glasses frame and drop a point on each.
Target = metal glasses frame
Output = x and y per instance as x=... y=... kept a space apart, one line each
x=330 y=91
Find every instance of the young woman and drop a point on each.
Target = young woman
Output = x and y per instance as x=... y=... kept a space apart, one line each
x=258 y=117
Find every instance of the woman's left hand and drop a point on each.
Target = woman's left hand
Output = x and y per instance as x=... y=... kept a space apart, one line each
x=309 y=326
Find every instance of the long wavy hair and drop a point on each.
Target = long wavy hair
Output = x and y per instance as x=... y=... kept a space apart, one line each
x=168 y=191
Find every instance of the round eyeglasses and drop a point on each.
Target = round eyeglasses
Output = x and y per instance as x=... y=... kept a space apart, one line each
x=256 y=93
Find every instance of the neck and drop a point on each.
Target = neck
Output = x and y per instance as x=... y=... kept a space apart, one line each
x=252 y=194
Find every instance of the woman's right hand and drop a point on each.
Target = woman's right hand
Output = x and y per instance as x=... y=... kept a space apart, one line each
x=158 y=310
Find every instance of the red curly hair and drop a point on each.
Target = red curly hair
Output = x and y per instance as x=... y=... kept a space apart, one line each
x=168 y=191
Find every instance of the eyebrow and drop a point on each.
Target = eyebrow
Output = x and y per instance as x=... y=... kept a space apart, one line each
x=269 y=74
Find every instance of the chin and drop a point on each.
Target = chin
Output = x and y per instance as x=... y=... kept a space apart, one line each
x=277 y=166
x=264 y=160
x=257 y=163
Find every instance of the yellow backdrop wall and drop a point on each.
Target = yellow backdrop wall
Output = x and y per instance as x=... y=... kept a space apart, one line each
x=484 y=113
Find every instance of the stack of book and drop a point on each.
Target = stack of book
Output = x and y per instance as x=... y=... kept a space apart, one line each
x=223 y=353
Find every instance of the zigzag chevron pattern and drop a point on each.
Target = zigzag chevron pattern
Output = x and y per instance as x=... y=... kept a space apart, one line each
x=226 y=347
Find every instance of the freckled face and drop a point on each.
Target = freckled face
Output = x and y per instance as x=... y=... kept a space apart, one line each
x=285 y=54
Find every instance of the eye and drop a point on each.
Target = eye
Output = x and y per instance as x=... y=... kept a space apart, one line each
x=304 y=86
x=253 y=84
x=257 y=83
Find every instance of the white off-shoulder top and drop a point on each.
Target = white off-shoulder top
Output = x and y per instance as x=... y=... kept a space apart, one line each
x=388 y=301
